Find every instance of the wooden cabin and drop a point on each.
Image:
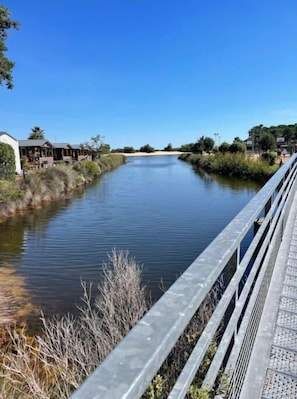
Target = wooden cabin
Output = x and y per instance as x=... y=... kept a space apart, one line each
x=38 y=153
x=63 y=152
x=81 y=153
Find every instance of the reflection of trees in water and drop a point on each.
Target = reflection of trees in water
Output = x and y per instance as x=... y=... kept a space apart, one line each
x=15 y=301
x=12 y=230
x=230 y=182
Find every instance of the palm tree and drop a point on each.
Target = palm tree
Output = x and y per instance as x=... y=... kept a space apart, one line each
x=36 y=134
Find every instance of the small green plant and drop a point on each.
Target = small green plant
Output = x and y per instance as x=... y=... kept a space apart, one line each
x=195 y=392
x=155 y=389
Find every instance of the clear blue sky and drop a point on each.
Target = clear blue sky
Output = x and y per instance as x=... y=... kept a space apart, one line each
x=150 y=71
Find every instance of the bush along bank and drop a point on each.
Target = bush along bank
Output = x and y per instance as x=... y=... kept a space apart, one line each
x=52 y=183
x=233 y=165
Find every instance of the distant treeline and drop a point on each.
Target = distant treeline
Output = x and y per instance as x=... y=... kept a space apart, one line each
x=261 y=136
x=288 y=132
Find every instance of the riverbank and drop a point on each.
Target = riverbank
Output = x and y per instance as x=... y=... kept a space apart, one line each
x=52 y=184
x=233 y=165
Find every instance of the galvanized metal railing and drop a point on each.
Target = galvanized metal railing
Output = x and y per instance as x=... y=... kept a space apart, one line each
x=246 y=256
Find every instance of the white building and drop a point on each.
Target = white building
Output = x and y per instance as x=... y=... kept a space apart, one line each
x=8 y=139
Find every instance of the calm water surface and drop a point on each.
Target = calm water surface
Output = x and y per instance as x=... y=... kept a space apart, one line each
x=156 y=207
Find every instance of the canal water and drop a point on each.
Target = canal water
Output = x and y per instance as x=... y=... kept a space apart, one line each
x=156 y=207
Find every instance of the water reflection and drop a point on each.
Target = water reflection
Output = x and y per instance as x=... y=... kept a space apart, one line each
x=230 y=182
x=13 y=230
x=154 y=207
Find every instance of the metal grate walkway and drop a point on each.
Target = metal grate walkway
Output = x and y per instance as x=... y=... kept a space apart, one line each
x=281 y=376
x=272 y=372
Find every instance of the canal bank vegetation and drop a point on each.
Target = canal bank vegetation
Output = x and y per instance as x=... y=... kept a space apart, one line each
x=54 y=363
x=41 y=185
x=236 y=165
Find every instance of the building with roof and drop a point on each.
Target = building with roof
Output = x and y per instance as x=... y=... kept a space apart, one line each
x=81 y=153
x=63 y=152
x=39 y=153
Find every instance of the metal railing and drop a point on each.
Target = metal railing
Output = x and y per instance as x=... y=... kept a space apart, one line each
x=244 y=253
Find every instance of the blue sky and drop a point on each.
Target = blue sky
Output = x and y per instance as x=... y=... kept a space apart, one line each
x=150 y=71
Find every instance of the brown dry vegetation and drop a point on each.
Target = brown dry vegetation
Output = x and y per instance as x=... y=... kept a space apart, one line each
x=55 y=363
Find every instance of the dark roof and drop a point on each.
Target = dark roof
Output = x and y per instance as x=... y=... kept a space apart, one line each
x=7 y=134
x=61 y=145
x=77 y=146
x=34 y=143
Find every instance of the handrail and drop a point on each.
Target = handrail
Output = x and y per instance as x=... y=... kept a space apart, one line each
x=131 y=366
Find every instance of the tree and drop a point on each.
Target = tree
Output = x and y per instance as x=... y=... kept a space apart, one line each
x=105 y=148
x=237 y=146
x=7 y=161
x=6 y=65
x=288 y=134
x=198 y=147
x=267 y=142
x=237 y=139
x=146 y=148
x=95 y=144
x=224 y=147
x=128 y=150
x=254 y=135
x=168 y=147
x=208 y=144
x=203 y=144
x=36 y=134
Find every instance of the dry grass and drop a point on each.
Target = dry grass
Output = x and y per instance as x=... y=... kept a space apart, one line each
x=56 y=363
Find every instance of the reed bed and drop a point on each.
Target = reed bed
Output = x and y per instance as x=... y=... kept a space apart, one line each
x=233 y=165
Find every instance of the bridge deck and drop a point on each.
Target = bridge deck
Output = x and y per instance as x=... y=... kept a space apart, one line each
x=272 y=372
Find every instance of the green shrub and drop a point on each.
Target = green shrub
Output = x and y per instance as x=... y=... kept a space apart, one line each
x=61 y=176
x=269 y=157
x=87 y=168
x=9 y=191
x=111 y=161
x=7 y=161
